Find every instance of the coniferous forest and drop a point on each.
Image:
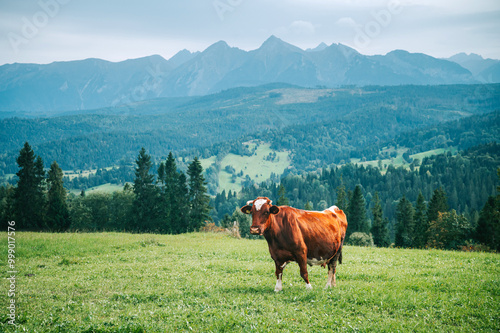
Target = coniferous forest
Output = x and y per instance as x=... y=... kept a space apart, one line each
x=445 y=200
x=160 y=201
x=409 y=208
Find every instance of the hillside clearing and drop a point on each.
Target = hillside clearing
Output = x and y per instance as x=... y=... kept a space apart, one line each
x=114 y=282
x=258 y=167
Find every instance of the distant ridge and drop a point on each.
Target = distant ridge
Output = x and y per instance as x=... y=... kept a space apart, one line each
x=95 y=83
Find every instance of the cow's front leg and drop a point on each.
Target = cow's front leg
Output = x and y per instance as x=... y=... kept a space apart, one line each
x=302 y=261
x=279 y=275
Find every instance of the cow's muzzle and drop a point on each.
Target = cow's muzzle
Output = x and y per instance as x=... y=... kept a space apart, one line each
x=255 y=230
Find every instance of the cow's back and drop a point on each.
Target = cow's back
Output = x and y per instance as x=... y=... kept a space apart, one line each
x=320 y=233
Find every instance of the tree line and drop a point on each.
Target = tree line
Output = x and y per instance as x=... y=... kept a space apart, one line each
x=399 y=203
x=166 y=202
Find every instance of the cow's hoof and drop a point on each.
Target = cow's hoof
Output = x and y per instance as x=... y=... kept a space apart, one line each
x=276 y=290
x=309 y=287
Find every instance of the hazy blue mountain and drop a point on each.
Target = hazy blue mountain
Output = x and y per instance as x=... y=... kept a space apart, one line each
x=418 y=68
x=320 y=47
x=274 y=61
x=79 y=85
x=490 y=74
x=93 y=83
x=198 y=75
x=484 y=70
x=181 y=57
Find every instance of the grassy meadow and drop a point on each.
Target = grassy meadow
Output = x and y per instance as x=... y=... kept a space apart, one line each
x=246 y=163
x=205 y=282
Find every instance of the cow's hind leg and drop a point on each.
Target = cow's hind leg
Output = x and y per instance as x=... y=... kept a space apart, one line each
x=302 y=261
x=332 y=266
x=279 y=274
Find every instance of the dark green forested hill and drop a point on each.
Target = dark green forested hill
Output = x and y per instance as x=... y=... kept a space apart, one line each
x=317 y=126
x=468 y=179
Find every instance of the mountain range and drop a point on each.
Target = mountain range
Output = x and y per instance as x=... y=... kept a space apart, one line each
x=45 y=90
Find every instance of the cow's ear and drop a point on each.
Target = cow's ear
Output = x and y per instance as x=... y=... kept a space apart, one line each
x=274 y=209
x=246 y=209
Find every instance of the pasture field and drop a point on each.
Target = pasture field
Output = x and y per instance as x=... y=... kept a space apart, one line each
x=205 y=282
x=244 y=164
x=105 y=188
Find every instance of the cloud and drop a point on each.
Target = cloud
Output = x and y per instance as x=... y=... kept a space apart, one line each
x=346 y=22
x=109 y=30
x=296 y=29
x=302 y=27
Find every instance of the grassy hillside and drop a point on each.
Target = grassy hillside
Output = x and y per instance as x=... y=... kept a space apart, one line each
x=258 y=167
x=111 y=282
x=317 y=126
x=105 y=188
x=398 y=160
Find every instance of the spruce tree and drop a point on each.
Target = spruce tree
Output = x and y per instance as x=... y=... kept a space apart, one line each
x=342 y=201
x=57 y=218
x=6 y=205
x=421 y=223
x=145 y=209
x=380 y=232
x=357 y=220
x=199 y=200
x=488 y=225
x=29 y=197
x=282 y=199
x=404 y=223
x=168 y=177
x=182 y=210
x=438 y=204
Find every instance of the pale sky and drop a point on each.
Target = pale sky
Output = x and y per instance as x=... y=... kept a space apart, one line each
x=43 y=31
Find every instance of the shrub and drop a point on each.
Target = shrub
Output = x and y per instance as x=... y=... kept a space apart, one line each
x=211 y=227
x=360 y=239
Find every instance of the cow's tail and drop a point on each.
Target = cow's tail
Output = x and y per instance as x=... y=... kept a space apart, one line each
x=337 y=254
x=340 y=254
x=340 y=250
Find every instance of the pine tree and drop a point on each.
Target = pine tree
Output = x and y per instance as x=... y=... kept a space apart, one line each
x=57 y=218
x=308 y=206
x=437 y=204
x=182 y=209
x=29 y=197
x=342 y=201
x=200 y=208
x=488 y=225
x=145 y=209
x=282 y=199
x=168 y=177
x=380 y=232
x=6 y=205
x=421 y=223
x=404 y=223
x=357 y=219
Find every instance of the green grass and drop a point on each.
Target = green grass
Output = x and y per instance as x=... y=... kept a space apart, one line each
x=399 y=161
x=106 y=188
x=256 y=166
x=112 y=282
x=428 y=153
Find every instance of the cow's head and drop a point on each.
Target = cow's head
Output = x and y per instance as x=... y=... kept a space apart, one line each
x=261 y=210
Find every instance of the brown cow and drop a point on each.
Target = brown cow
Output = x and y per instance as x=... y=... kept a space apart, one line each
x=307 y=237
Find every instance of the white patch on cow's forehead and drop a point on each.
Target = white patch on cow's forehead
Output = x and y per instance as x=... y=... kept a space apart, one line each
x=259 y=203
